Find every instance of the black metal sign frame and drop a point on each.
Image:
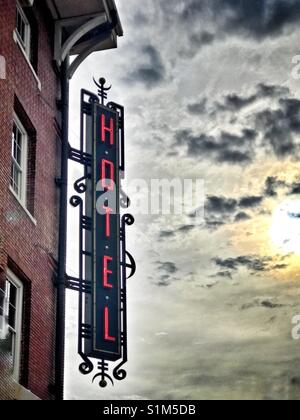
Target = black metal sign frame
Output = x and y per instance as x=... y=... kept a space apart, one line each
x=92 y=295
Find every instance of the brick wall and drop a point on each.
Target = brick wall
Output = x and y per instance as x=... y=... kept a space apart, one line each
x=28 y=249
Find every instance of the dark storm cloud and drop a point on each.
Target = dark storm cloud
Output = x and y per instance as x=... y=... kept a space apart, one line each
x=250 y=202
x=235 y=102
x=255 y=18
x=272 y=184
x=295 y=189
x=234 y=140
x=150 y=70
x=220 y=210
x=237 y=149
x=274 y=129
x=252 y=263
x=192 y=9
x=277 y=132
x=294 y=215
x=197 y=41
x=166 y=234
x=164 y=281
x=280 y=126
x=184 y=229
x=201 y=39
x=168 y=267
x=291 y=110
x=220 y=205
x=271 y=91
x=223 y=274
x=260 y=18
x=166 y=273
x=234 y=156
x=267 y=303
x=213 y=223
x=208 y=21
x=228 y=148
x=241 y=217
x=197 y=108
x=280 y=266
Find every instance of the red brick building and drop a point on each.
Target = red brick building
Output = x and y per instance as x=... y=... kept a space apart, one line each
x=35 y=37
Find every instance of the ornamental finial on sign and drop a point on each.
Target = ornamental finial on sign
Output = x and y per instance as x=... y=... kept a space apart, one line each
x=102 y=90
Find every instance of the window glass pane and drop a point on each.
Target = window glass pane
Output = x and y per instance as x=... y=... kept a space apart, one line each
x=14 y=132
x=23 y=30
x=7 y=345
x=17 y=144
x=3 y=317
x=7 y=335
x=16 y=178
x=9 y=311
x=21 y=27
x=18 y=155
x=17 y=169
x=2 y=297
x=12 y=305
x=12 y=317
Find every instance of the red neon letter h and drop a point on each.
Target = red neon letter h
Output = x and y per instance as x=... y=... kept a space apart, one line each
x=109 y=130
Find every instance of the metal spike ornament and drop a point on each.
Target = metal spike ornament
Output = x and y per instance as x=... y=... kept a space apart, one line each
x=102 y=90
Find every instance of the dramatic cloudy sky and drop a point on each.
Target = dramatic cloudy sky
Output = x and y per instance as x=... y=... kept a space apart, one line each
x=209 y=94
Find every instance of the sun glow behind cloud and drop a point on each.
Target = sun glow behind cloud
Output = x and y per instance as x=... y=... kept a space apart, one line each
x=285 y=226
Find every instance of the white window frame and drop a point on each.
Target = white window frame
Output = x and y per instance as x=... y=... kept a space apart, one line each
x=22 y=196
x=26 y=48
x=12 y=278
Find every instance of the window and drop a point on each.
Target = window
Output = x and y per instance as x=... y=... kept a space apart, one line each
x=11 y=303
x=23 y=30
x=19 y=161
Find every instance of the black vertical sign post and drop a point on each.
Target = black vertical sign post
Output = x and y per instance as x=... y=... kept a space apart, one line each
x=103 y=258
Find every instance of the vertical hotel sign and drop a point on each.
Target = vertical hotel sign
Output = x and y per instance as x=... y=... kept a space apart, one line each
x=106 y=266
x=104 y=262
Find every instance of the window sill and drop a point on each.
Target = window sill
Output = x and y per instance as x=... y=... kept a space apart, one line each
x=23 y=394
x=17 y=41
x=33 y=220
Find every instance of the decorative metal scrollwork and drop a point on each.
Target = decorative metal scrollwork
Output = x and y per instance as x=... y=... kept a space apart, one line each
x=76 y=201
x=87 y=366
x=80 y=186
x=120 y=374
x=128 y=219
x=131 y=265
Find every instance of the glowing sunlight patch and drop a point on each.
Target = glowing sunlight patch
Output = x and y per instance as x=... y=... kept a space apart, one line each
x=285 y=227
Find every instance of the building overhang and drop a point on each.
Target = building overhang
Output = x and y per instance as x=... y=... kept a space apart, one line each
x=83 y=27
